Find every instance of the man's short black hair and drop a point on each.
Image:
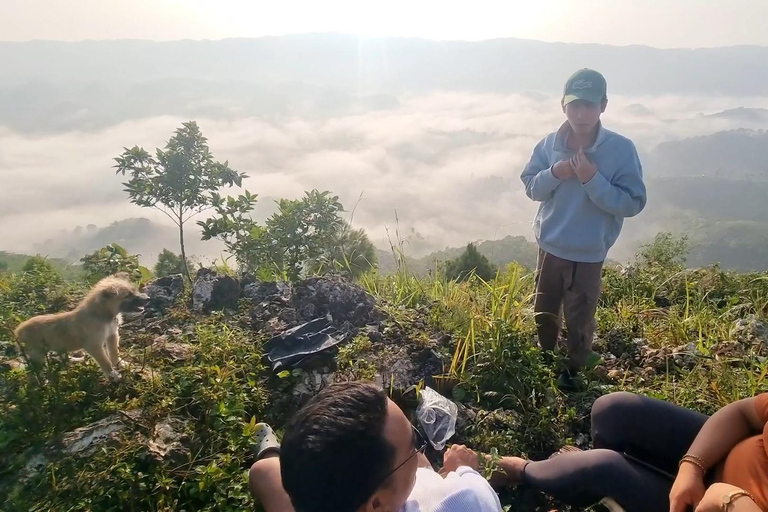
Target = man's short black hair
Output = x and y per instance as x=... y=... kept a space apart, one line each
x=334 y=455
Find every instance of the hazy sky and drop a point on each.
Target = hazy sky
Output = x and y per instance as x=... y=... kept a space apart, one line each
x=660 y=23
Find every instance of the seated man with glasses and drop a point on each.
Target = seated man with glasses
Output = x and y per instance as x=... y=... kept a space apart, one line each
x=351 y=449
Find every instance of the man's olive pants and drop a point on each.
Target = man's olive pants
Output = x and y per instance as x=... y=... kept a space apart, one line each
x=571 y=288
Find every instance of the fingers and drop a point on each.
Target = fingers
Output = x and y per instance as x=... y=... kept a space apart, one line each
x=696 y=504
x=678 y=504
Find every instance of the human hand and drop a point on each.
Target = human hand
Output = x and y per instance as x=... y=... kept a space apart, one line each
x=582 y=167
x=459 y=455
x=563 y=170
x=688 y=489
x=713 y=499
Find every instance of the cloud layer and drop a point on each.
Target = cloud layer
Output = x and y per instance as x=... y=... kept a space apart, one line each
x=447 y=163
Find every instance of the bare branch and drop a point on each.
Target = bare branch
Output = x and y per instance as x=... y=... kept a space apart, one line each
x=198 y=212
x=175 y=220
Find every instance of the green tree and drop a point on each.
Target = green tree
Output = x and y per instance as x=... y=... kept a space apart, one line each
x=179 y=181
x=293 y=240
x=301 y=231
x=169 y=264
x=41 y=266
x=110 y=260
x=470 y=261
x=233 y=225
x=666 y=251
x=351 y=251
x=3 y=266
x=35 y=289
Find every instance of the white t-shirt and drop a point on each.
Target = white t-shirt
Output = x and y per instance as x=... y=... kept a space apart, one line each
x=463 y=490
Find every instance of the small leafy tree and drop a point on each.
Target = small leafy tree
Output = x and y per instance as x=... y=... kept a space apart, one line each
x=112 y=259
x=233 y=225
x=169 y=264
x=179 y=181
x=292 y=240
x=351 y=251
x=37 y=288
x=666 y=252
x=470 y=261
x=301 y=231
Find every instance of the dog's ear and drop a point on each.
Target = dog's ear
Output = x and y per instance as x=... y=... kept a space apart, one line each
x=123 y=275
x=110 y=291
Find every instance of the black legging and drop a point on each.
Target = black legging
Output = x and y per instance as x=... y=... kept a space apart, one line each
x=653 y=431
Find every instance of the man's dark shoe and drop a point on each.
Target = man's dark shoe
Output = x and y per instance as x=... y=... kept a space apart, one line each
x=568 y=381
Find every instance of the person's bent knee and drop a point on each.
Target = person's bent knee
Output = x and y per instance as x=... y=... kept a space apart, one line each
x=612 y=402
x=608 y=414
x=260 y=473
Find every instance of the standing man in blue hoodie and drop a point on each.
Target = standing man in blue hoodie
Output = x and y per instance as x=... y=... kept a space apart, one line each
x=587 y=179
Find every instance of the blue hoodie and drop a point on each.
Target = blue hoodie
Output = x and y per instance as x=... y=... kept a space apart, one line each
x=580 y=222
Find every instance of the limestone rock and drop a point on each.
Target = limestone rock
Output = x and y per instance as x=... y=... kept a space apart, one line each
x=213 y=291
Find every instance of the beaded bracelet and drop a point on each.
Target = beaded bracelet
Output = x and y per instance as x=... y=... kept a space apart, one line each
x=696 y=461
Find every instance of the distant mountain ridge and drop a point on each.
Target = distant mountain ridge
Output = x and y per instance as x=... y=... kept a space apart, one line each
x=732 y=154
x=48 y=86
x=389 y=64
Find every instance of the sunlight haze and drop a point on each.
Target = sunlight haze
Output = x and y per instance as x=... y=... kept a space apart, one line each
x=658 y=23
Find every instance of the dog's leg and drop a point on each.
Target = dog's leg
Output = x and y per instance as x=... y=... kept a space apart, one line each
x=35 y=355
x=113 y=346
x=99 y=353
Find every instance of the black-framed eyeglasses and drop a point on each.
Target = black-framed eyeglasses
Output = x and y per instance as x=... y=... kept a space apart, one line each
x=419 y=445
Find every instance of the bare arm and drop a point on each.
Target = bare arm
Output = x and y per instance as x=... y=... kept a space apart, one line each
x=725 y=429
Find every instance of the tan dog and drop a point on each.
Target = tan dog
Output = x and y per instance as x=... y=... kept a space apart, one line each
x=91 y=326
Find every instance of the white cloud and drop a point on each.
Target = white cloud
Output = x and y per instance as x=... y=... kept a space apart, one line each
x=449 y=163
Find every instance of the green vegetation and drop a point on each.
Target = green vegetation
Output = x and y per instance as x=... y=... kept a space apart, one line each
x=500 y=253
x=471 y=262
x=177 y=429
x=304 y=236
x=492 y=366
x=169 y=263
x=179 y=181
x=350 y=251
x=110 y=260
x=11 y=262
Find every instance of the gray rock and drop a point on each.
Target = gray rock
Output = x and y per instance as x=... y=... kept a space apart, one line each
x=87 y=440
x=260 y=291
x=213 y=291
x=334 y=295
x=729 y=349
x=751 y=332
x=176 y=352
x=13 y=364
x=164 y=291
x=169 y=442
x=687 y=356
x=313 y=381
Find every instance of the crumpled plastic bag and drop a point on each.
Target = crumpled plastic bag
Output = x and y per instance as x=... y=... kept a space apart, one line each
x=437 y=416
x=295 y=346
